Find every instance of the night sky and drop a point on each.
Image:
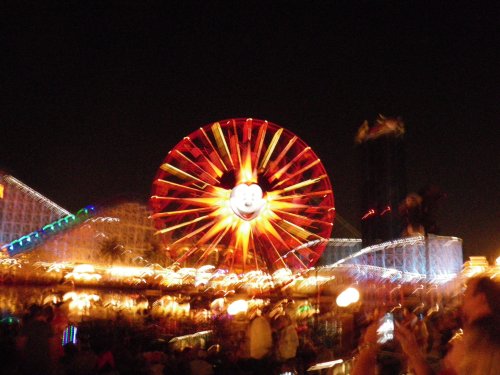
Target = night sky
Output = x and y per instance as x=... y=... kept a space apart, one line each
x=94 y=94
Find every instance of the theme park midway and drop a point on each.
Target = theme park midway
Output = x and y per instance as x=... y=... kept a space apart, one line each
x=239 y=225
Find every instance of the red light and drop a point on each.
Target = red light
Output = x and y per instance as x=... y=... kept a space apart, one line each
x=369 y=213
x=386 y=210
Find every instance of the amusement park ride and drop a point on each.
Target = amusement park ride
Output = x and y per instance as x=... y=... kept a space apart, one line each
x=249 y=189
x=239 y=204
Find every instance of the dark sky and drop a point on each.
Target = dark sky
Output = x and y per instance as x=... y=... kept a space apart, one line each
x=93 y=96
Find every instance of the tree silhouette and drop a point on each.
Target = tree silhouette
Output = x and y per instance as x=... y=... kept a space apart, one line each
x=418 y=212
x=111 y=250
x=156 y=254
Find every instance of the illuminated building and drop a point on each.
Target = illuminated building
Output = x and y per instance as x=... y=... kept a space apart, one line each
x=126 y=226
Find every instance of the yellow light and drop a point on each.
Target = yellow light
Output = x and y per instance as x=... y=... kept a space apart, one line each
x=347 y=297
x=116 y=271
x=80 y=301
x=239 y=306
x=80 y=268
x=83 y=272
x=1 y=191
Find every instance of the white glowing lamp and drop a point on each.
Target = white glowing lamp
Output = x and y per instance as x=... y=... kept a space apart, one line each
x=84 y=268
x=347 y=297
x=239 y=306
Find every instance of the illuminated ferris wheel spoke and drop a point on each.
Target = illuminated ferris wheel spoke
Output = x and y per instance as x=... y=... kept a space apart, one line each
x=297 y=231
x=182 y=225
x=235 y=144
x=286 y=235
x=193 y=233
x=201 y=172
x=181 y=174
x=298 y=185
x=242 y=240
x=246 y=171
x=283 y=170
x=197 y=152
x=247 y=131
x=188 y=254
x=273 y=164
x=297 y=258
x=270 y=150
x=259 y=142
x=194 y=201
x=214 y=150
x=287 y=244
x=213 y=245
x=293 y=254
x=219 y=226
x=207 y=191
x=180 y=212
x=300 y=172
x=294 y=239
x=253 y=247
x=275 y=251
x=220 y=140
x=302 y=219
x=306 y=195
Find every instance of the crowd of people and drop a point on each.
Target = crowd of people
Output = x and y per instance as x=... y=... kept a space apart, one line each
x=473 y=350
x=452 y=342
x=32 y=345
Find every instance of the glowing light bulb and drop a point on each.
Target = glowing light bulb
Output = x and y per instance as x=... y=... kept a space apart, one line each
x=347 y=297
x=239 y=306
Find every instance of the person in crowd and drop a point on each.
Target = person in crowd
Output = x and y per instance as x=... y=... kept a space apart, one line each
x=199 y=365
x=9 y=328
x=105 y=357
x=481 y=311
x=84 y=361
x=34 y=343
x=68 y=363
x=258 y=343
x=227 y=363
x=287 y=342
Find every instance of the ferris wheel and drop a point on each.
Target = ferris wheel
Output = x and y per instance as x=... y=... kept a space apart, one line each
x=242 y=195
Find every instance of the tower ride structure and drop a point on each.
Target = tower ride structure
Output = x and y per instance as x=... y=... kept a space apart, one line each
x=384 y=179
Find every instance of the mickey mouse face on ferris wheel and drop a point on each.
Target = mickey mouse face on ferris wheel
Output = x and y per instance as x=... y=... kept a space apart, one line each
x=247 y=201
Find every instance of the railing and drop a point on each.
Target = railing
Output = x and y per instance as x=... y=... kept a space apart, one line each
x=431 y=256
x=33 y=239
